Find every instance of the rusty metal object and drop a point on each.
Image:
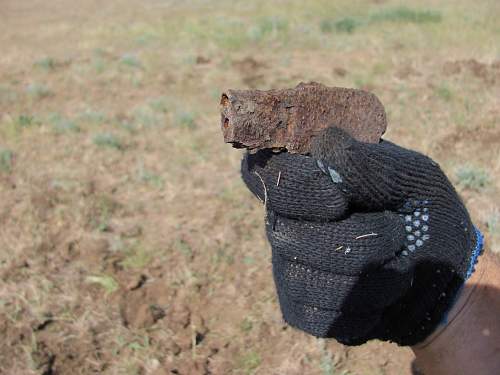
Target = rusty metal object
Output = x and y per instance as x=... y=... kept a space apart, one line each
x=289 y=118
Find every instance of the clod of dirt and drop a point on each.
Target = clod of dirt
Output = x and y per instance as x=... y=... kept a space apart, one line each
x=289 y=118
x=489 y=73
x=143 y=306
x=136 y=282
x=131 y=231
x=339 y=71
x=141 y=316
x=202 y=60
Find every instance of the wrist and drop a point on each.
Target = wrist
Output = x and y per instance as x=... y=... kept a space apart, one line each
x=465 y=293
x=467 y=342
x=466 y=296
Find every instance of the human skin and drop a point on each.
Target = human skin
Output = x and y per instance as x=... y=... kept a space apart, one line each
x=469 y=341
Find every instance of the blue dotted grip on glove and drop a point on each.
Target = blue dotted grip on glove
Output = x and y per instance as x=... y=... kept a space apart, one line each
x=478 y=250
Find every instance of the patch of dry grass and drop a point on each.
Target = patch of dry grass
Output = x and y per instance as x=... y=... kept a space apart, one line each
x=119 y=199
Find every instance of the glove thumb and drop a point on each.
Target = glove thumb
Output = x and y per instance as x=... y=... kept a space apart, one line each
x=372 y=176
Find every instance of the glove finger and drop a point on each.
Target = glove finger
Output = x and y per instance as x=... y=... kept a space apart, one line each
x=361 y=295
x=373 y=176
x=338 y=293
x=347 y=328
x=349 y=247
x=294 y=186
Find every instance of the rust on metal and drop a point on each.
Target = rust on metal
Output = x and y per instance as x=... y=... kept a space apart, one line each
x=289 y=118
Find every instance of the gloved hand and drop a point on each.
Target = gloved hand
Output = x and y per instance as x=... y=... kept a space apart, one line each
x=368 y=240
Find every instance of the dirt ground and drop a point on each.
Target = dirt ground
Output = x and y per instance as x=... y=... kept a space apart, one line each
x=128 y=243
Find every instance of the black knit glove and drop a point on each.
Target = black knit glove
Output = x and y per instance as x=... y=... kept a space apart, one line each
x=368 y=240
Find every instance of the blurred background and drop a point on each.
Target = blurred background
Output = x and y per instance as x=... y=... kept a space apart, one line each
x=128 y=243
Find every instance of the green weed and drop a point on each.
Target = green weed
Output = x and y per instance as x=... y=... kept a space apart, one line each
x=268 y=27
x=105 y=206
x=6 y=158
x=137 y=258
x=248 y=260
x=146 y=176
x=493 y=222
x=61 y=124
x=91 y=116
x=246 y=325
x=99 y=63
x=444 y=93
x=327 y=26
x=45 y=63
x=145 y=116
x=346 y=25
x=26 y=121
x=159 y=104
x=249 y=362
x=493 y=225
x=225 y=33
x=131 y=61
x=404 y=14
x=328 y=363
x=221 y=255
x=183 y=247
x=145 y=38
x=108 y=140
x=472 y=178
x=107 y=282
x=38 y=91
x=185 y=119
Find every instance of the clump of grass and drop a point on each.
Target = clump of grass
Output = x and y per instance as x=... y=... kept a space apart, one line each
x=472 y=178
x=268 y=27
x=6 y=159
x=144 y=116
x=226 y=33
x=249 y=362
x=493 y=222
x=183 y=247
x=185 y=119
x=444 y=93
x=246 y=325
x=493 y=225
x=61 y=124
x=107 y=282
x=145 y=38
x=327 y=26
x=104 y=209
x=108 y=140
x=137 y=258
x=45 y=63
x=346 y=25
x=146 y=176
x=91 y=116
x=38 y=91
x=329 y=363
x=131 y=60
x=404 y=14
x=26 y=121
x=99 y=60
x=159 y=104
x=152 y=113
x=221 y=255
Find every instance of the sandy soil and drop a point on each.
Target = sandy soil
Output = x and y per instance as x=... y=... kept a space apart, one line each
x=128 y=243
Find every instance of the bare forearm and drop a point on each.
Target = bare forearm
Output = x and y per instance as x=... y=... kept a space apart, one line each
x=470 y=341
